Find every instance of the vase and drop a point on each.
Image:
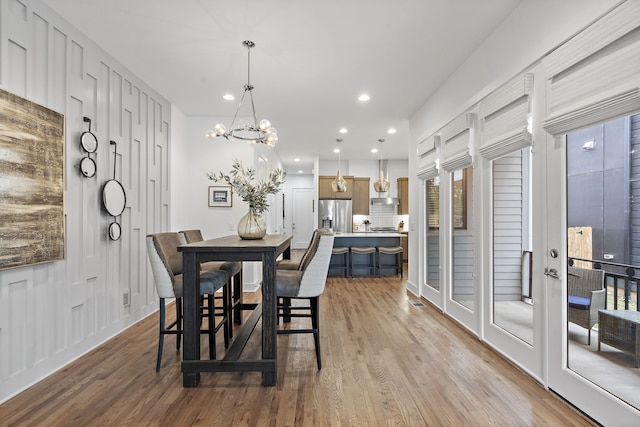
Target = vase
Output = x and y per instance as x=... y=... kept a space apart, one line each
x=252 y=226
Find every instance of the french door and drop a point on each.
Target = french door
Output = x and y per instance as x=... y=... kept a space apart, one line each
x=588 y=176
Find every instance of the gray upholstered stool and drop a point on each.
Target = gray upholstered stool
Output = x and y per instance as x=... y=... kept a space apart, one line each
x=390 y=250
x=364 y=250
x=344 y=251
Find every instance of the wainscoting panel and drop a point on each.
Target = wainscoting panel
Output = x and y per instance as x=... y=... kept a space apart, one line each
x=52 y=313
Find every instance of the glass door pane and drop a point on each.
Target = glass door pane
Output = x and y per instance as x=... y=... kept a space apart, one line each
x=512 y=244
x=432 y=244
x=603 y=252
x=463 y=283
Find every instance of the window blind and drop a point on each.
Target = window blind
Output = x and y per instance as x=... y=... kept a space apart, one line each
x=428 y=157
x=457 y=142
x=594 y=76
x=503 y=116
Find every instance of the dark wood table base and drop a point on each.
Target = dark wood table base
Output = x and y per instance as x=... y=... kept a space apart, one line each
x=232 y=248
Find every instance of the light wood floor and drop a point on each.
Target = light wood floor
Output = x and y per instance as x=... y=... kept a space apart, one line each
x=385 y=362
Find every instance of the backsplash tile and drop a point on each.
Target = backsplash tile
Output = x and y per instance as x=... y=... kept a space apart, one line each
x=382 y=216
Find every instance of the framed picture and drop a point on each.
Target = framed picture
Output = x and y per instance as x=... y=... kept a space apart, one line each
x=220 y=195
x=31 y=177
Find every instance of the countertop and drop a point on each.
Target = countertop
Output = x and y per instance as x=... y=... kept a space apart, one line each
x=370 y=234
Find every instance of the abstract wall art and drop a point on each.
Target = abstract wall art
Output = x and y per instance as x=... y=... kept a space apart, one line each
x=31 y=183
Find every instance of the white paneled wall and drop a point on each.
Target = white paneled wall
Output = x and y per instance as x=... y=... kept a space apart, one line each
x=52 y=313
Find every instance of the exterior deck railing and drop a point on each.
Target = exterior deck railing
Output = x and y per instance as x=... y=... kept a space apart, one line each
x=621 y=277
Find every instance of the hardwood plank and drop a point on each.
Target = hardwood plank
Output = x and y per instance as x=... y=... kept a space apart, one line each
x=385 y=362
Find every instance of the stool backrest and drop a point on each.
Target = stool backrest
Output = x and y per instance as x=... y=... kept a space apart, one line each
x=165 y=260
x=306 y=257
x=191 y=236
x=314 y=275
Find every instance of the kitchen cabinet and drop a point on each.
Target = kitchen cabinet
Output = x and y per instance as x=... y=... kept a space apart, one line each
x=326 y=192
x=403 y=196
x=361 y=196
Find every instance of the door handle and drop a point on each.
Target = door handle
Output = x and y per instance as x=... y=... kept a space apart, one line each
x=552 y=272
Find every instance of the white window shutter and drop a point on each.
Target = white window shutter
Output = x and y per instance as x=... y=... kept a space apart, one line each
x=595 y=77
x=503 y=116
x=457 y=142
x=428 y=151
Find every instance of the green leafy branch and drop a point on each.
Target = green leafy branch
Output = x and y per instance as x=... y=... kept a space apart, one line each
x=243 y=182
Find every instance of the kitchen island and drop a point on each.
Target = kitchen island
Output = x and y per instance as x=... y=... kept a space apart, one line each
x=363 y=239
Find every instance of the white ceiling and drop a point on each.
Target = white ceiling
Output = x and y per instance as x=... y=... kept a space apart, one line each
x=311 y=61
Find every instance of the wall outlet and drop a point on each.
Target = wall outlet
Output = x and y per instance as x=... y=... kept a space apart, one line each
x=231 y=228
x=126 y=297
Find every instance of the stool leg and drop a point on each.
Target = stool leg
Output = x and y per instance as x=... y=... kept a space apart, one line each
x=161 y=335
x=351 y=272
x=237 y=298
x=178 y=322
x=315 y=325
x=228 y=290
x=347 y=261
x=212 y=327
x=373 y=263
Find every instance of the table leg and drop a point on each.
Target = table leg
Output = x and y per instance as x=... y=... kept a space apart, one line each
x=191 y=331
x=269 y=317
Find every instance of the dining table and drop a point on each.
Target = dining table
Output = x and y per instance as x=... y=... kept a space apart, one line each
x=232 y=248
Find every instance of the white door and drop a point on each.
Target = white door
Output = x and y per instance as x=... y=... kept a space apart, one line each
x=583 y=189
x=302 y=208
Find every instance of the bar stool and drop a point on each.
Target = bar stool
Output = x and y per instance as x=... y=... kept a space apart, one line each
x=338 y=251
x=364 y=250
x=233 y=269
x=390 y=250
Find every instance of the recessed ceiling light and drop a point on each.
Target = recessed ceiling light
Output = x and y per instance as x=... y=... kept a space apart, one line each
x=296 y=159
x=364 y=97
x=343 y=130
x=300 y=171
x=391 y=131
x=336 y=150
x=228 y=97
x=374 y=150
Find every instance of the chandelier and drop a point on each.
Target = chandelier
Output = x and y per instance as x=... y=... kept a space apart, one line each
x=339 y=185
x=254 y=133
x=382 y=184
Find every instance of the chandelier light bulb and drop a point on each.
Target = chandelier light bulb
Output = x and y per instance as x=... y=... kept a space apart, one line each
x=211 y=134
x=264 y=124
x=220 y=129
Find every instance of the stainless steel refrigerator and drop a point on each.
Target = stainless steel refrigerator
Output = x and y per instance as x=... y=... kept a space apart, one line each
x=335 y=215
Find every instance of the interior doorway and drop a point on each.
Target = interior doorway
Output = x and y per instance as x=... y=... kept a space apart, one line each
x=302 y=204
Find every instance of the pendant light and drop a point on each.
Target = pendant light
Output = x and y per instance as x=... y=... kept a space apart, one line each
x=382 y=184
x=339 y=185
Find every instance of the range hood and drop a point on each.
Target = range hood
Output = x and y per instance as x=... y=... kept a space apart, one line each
x=386 y=201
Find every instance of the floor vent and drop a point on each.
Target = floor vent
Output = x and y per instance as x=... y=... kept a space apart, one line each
x=416 y=303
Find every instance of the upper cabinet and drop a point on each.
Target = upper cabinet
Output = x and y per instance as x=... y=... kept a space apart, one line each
x=361 y=196
x=326 y=192
x=403 y=196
